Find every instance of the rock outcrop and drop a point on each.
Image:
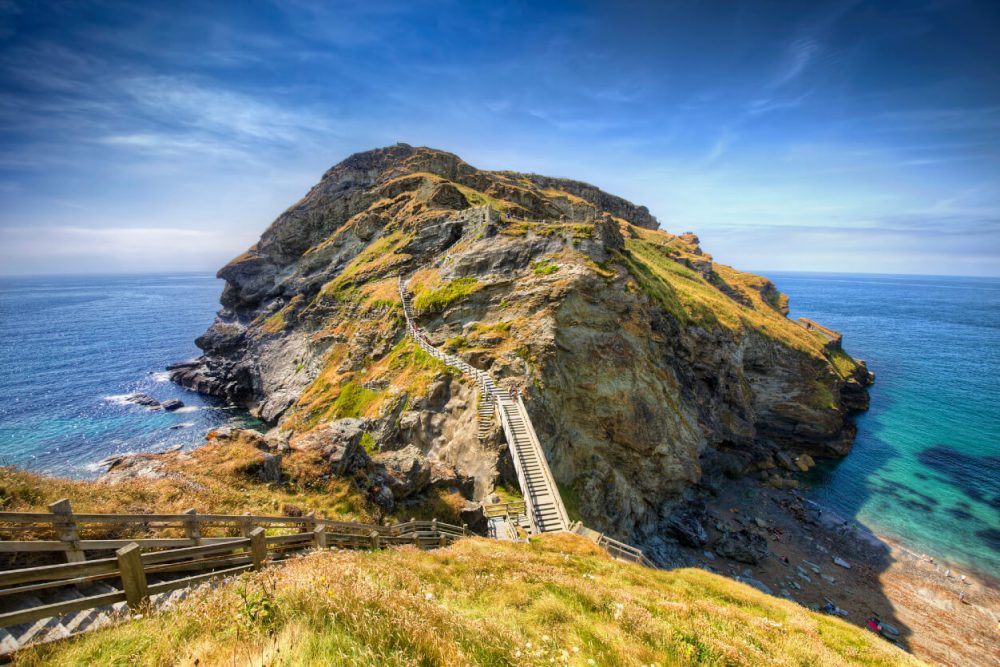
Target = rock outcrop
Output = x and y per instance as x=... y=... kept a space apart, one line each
x=649 y=368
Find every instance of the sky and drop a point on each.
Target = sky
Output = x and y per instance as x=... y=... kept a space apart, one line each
x=842 y=135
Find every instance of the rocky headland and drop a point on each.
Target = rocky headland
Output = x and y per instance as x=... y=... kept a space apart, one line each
x=652 y=373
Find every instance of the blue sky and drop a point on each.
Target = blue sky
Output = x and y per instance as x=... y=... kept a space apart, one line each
x=828 y=136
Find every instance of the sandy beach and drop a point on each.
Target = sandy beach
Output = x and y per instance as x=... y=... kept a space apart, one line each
x=941 y=613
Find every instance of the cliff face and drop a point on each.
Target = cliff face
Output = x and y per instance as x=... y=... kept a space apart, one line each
x=648 y=367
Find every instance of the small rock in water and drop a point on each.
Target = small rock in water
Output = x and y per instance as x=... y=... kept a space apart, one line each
x=172 y=404
x=144 y=400
x=828 y=579
x=841 y=562
x=709 y=555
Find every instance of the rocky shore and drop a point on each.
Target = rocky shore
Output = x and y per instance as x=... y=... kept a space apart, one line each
x=786 y=545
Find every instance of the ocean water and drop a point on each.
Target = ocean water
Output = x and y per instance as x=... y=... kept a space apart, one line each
x=925 y=468
x=72 y=347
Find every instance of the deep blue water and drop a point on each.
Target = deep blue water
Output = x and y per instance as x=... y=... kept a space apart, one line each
x=71 y=347
x=925 y=468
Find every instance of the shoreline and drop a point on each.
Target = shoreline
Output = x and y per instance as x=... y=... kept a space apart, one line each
x=906 y=590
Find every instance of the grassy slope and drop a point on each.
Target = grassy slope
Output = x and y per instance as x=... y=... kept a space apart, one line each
x=220 y=477
x=558 y=600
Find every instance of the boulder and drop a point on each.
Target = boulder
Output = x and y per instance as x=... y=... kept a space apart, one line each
x=247 y=435
x=270 y=468
x=742 y=546
x=786 y=461
x=448 y=478
x=144 y=400
x=339 y=443
x=686 y=526
x=406 y=472
x=804 y=462
x=172 y=404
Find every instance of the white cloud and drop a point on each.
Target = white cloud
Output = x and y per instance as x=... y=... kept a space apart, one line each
x=23 y=249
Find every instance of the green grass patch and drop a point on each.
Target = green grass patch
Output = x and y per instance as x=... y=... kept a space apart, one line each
x=843 y=362
x=352 y=400
x=571 y=500
x=368 y=442
x=544 y=267
x=436 y=301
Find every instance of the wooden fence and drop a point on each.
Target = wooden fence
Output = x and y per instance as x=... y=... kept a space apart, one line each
x=195 y=555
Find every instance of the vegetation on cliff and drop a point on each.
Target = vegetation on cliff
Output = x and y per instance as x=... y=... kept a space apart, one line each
x=559 y=600
x=638 y=352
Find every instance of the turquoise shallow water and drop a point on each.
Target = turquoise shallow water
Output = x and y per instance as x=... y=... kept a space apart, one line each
x=925 y=468
x=71 y=347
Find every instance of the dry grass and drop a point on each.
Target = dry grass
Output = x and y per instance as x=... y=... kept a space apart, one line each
x=556 y=601
x=219 y=477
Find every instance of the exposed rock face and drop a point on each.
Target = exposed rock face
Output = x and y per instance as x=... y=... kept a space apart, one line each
x=406 y=471
x=339 y=444
x=648 y=367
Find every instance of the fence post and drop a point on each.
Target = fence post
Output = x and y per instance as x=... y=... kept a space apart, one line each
x=319 y=537
x=309 y=522
x=246 y=525
x=258 y=548
x=191 y=526
x=133 y=576
x=434 y=524
x=465 y=529
x=442 y=540
x=66 y=528
x=375 y=540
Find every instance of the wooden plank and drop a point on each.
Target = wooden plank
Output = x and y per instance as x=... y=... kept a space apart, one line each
x=27 y=517
x=133 y=576
x=258 y=548
x=61 y=571
x=191 y=526
x=200 y=564
x=58 y=583
x=34 y=545
x=190 y=552
x=196 y=579
x=65 y=525
x=59 y=609
x=319 y=537
x=294 y=538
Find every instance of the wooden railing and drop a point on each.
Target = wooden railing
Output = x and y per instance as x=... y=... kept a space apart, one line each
x=193 y=559
x=67 y=526
x=511 y=509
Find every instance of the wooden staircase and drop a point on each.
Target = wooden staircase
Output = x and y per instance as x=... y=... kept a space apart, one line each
x=544 y=505
x=165 y=559
x=486 y=411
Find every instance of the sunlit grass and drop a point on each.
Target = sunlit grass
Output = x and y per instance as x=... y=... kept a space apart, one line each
x=557 y=601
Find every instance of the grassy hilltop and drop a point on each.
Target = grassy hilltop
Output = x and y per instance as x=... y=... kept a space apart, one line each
x=558 y=600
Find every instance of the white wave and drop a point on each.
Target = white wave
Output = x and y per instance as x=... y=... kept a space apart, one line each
x=187 y=408
x=120 y=399
x=162 y=376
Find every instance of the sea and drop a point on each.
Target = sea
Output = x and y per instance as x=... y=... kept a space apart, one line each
x=73 y=348
x=925 y=467
x=924 y=470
